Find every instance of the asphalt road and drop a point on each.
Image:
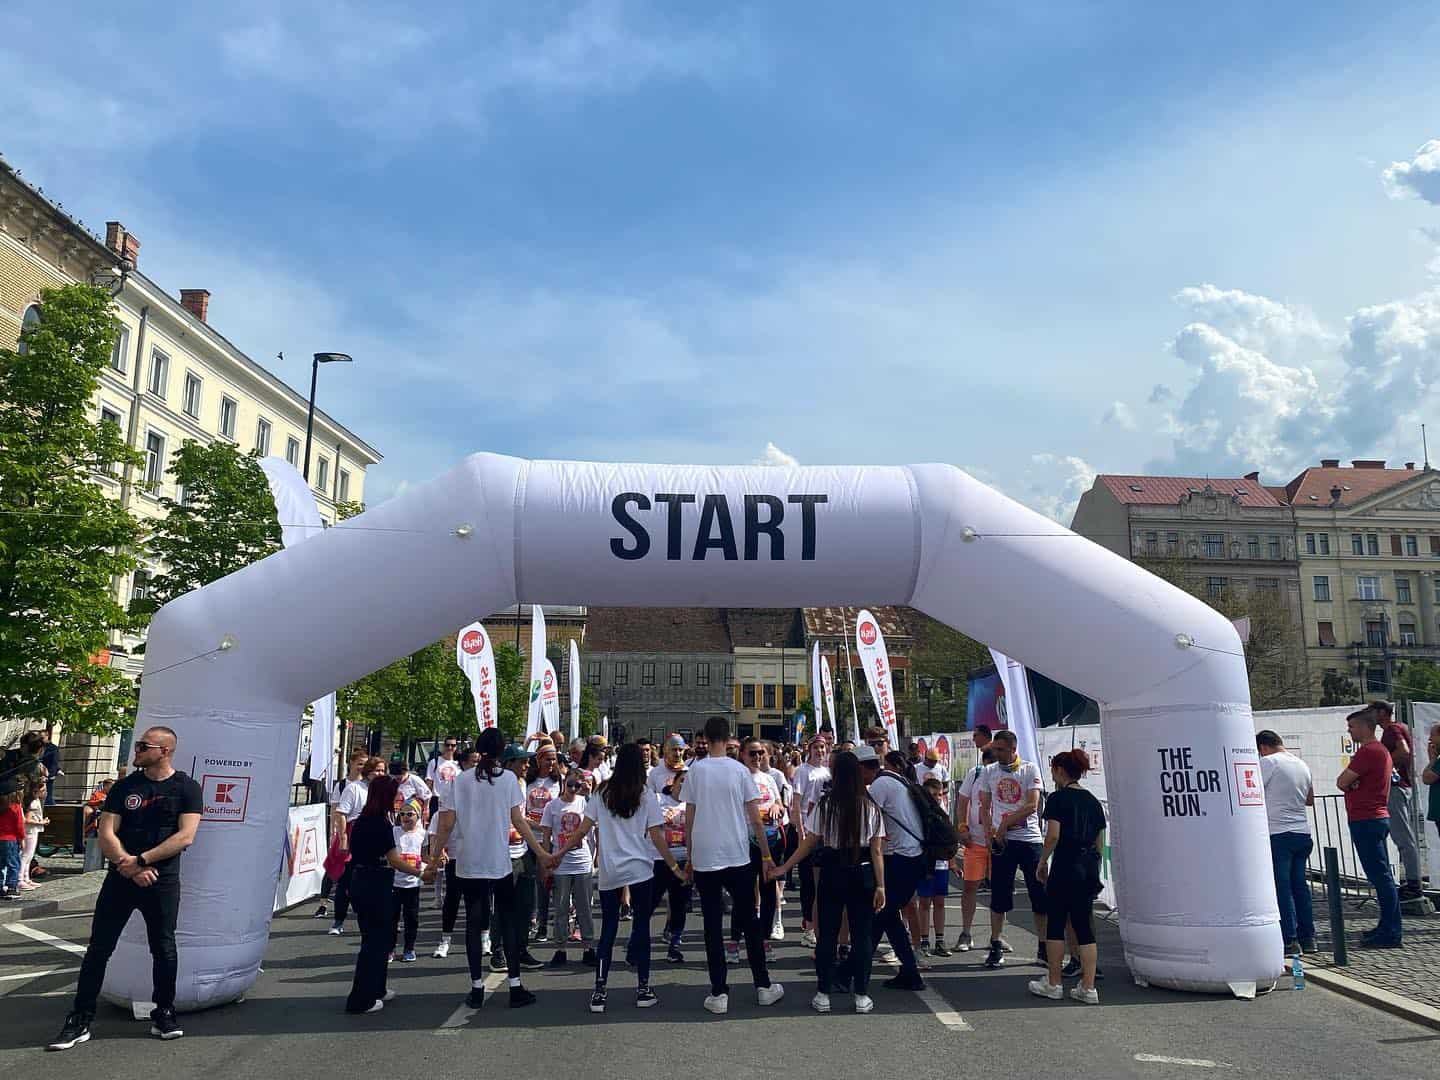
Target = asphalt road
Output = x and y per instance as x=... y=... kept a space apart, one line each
x=975 y=1022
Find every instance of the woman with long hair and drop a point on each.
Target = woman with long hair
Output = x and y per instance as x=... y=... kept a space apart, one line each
x=1070 y=871
x=626 y=815
x=375 y=859
x=845 y=830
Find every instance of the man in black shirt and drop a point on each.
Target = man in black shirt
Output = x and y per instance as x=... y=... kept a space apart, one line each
x=147 y=820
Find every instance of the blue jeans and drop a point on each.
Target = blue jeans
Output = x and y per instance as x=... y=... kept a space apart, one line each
x=9 y=866
x=1369 y=839
x=1288 y=853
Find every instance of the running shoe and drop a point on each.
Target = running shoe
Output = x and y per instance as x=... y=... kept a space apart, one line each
x=645 y=997
x=320 y=912
x=939 y=949
x=163 y=1024
x=1005 y=946
x=674 y=955
x=966 y=942
x=820 y=1003
x=719 y=1004
x=996 y=956
x=777 y=928
x=732 y=952
x=597 y=1001
x=1071 y=968
x=530 y=963
x=442 y=950
x=769 y=995
x=1045 y=989
x=808 y=939
x=864 y=1003
x=336 y=930
x=1085 y=997
x=905 y=982
x=75 y=1031
x=408 y=957
x=476 y=997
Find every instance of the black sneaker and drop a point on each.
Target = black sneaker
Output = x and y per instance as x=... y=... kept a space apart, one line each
x=475 y=999
x=558 y=960
x=674 y=955
x=588 y=958
x=530 y=963
x=163 y=1024
x=1071 y=968
x=520 y=997
x=320 y=912
x=1309 y=945
x=497 y=961
x=645 y=997
x=842 y=953
x=996 y=956
x=597 y=1001
x=905 y=982
x=75 y=1032
x=939 y=949
x=625 y=913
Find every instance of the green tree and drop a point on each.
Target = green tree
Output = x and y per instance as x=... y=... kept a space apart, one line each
x=1336 y=689
x=224 y=521
x=947 y=656
x=1418 y=680
x=63 y=543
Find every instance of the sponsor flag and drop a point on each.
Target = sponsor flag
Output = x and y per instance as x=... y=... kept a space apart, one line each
x=535 y=719
x=854 y=707
x=574 y=690
x=829 y=692
x=476 y=658
x=1019 y=707
x=549 y=698
x=817 y=699
x=870 y=644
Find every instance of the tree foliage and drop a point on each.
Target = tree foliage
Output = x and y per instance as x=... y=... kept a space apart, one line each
x=1418 y=680
x=224 y=522
x=63 y=542
x=1336 y=689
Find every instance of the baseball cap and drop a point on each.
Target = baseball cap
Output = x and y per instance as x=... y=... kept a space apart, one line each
x=599 y=740
x=513 y=752
x=866 y=755
x=932 y=754
x=675 y=740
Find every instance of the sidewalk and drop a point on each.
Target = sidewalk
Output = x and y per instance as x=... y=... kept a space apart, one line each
x=1386 y=978
x=63 y=885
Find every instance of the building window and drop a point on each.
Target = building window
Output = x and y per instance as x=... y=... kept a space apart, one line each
x=159 y=373
x=1269 y=585
x=1368 y=587
x=788 y=701
x=193 y=389
x=1435 y=545
x=322 y=474
x=1375 y=681
x=1273 y=543
x=677 y=674
x=120 y=354
x=262 y=437
x=292 y=451
x=1172 y=543
x=1407 y=631
x=1322 y=588
x=228 y=412
x=1372 y=544
x=647 y=674
x=767 y=696
x=343 y=494
x=729 y=674
x=1309 y=543
x=1215 y=587
x=702 y=674
x=747 y=696
x=898 y=676
x=1214 y=545
x=1396 y=547
x=1374 y=633
x=1152 y=543
x=140 y=585
x=593 y=677
x=622 y=674
x=1324 y=543
x=1402 y=590
x=1357 y=544
x=1437 y=590
x=1252 y=546
x=1327 y=633
x=1412 y=546
x=154 y=461
x=109 y=416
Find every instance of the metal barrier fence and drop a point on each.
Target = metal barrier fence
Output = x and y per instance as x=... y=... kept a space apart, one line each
x=305 y=794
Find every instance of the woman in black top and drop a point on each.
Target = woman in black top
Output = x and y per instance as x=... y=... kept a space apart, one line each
x=375 y=859
x=1070 y=870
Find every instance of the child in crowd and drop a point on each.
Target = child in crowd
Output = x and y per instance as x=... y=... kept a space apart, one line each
x=12 y=838
x=561 y=818
x=934 y=888
x=410 y=843
x=35 y=822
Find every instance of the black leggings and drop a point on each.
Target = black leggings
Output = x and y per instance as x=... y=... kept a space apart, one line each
x=481 y=896
x=845 y=890
x=372 y=892
x=450 y=909
x=1070 y=898
x=807 y=890
x=342 y=892
x=677 y=891
x=407 y=903
x=159 y=905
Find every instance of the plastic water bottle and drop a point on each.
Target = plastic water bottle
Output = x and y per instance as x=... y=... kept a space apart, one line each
x=1297 y=973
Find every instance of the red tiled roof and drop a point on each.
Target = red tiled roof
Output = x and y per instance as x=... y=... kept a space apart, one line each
x=1312 y=487
x=1168 y=490
x=836 y=622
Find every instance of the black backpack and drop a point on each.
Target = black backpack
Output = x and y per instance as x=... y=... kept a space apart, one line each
x=938 y=839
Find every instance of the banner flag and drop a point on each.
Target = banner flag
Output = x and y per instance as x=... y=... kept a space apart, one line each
x=829 y=692
x=1019 y=708
x=870 y=643
x=854 y=705
x=299 y=518
x=549 y=699
x=817 y=699
x=535 y=719
x=574 y=690
x=605 y=727
x=476 y=658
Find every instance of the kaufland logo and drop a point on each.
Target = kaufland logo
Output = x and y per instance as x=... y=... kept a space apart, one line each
x=473 y=643
x=225 y=797
x=549 y=680
x=867 y=633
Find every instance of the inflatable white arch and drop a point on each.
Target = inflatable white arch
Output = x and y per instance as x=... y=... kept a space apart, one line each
x=231 y=666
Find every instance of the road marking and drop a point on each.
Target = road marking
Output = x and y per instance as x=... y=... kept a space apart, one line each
x=460 y=1018
x=48 y=939
x=37 y=974
x=1199 y=1063
x=941 y=1008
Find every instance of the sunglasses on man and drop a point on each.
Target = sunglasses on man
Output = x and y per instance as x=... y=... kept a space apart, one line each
x=142 y=746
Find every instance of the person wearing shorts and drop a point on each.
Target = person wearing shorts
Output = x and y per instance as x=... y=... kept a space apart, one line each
x=934 y=887
x=1010 y=803
x=974 y=854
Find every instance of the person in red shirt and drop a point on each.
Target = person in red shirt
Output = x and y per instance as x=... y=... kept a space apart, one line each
x=1366 y=784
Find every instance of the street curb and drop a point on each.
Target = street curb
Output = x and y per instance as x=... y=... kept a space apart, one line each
x=13 y=913
x=1396 y=1004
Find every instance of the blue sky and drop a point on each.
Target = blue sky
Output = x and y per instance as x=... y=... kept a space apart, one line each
x=1033 y=240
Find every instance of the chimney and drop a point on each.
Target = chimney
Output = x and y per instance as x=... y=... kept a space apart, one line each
x=1410 y=466
x=119 y=240
x=1329 y=462
x=1335 y=493
x=196 y=301
x=1253 y=476
x=1367 y=463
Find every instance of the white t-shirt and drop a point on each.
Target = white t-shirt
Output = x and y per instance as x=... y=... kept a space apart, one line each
x=410 y=845
x=674 y=824
x=339 y=790
x=446 y=773
x=903 y=828
x=412 y=787
x=627 y=856
x=809 y=784
x=720 y=788
x=924 y=771
x=482 y=818
x=352 y=799
x=1007 y=794
x=970 y=788
x=562 y=819
x=872 y=825
x=769 y=796
x=434 y=772
x=787 y=792
x=538 y=796
x=1287 y=785
x=660 y=777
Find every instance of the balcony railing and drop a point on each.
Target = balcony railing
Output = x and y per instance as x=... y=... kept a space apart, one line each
x=1359 y=650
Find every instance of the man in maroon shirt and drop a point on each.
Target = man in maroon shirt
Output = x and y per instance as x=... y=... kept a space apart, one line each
x=1396 y=738
x=1366 y=784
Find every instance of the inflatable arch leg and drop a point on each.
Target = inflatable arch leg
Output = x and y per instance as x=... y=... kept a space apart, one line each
x=231 y=666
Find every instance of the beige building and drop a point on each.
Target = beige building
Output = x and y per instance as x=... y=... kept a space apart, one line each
x=172 y=376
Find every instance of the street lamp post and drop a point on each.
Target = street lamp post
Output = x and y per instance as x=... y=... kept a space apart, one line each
x=319 y=358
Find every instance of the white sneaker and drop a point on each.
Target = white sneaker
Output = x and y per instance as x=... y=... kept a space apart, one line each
x=484 y=942
x=1087 y=997
x=886 y=955
x=777 y=929
x=820 y=1003
x=376 y=1007
x=443 y=949
x=808 y=939
x=389 y=995
x=864 y=1003
x=1041 y=988
x=335 y=931
x=769 y=995
x=719 y=1004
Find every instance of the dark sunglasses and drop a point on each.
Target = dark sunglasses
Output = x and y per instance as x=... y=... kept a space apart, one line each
x=451 y=745
x=756 y=753
x=142 y=746
x=575 y=785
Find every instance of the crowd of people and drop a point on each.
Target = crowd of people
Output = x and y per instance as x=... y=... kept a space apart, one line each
x=25 y=775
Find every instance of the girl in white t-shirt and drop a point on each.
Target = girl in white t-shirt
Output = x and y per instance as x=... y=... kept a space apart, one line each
x=627 y=817
x=410 y=843
x=562 y=816
x=35 y=822
x=756 y=757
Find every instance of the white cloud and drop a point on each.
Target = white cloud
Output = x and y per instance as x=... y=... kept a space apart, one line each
x=773 y=455
x=1392 y=353
x=1254 y=321
x=1054 y=483
x=1417 y=178
x=1119 y=415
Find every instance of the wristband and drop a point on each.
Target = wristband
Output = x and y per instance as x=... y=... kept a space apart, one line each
x=140 y=860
